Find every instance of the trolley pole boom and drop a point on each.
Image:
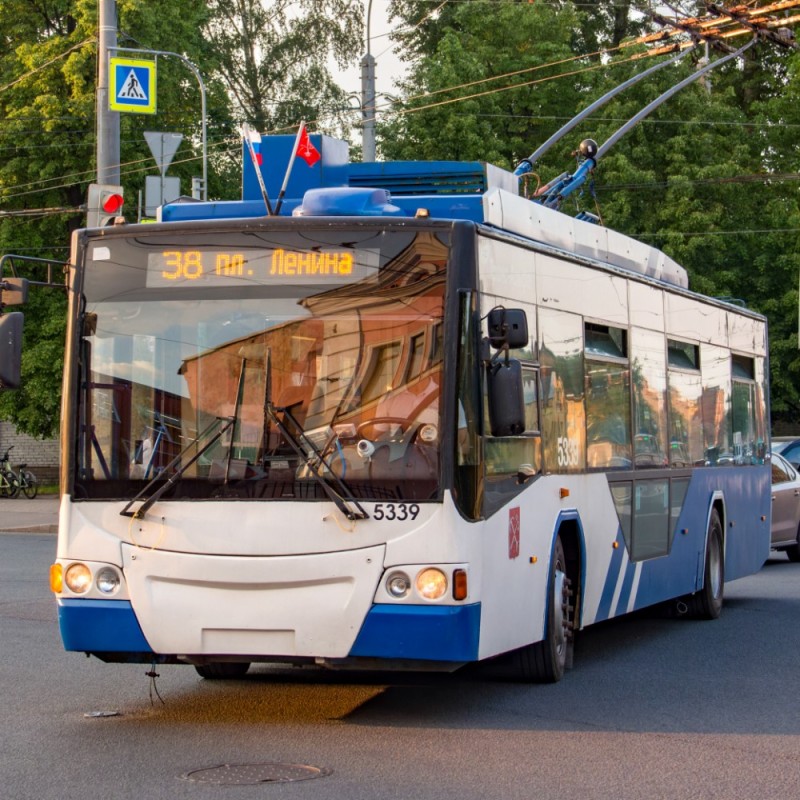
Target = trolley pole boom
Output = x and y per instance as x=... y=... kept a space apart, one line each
x=566 y=184
x=526 y=164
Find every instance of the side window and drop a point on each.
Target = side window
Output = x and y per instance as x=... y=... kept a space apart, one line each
x=562 y=382
x=715 y=368
x=649 y=378
x=685 y=408
x=608 y=397
x=792 y=454
x=747 y=449
x=648 y=511
x=781 y=473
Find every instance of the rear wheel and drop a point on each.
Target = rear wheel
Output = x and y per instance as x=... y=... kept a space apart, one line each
x=545 y=661
x=707 y=603
x=223 y=670
x=30 y=485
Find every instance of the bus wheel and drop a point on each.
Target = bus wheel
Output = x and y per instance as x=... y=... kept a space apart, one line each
x=545 y=661
x=707 y=603
x=223 y=670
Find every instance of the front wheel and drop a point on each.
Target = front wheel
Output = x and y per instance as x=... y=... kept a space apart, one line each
x=545 y=661
x=12 y=490
x=707 y=603
x=223 y=670
x=30 y=484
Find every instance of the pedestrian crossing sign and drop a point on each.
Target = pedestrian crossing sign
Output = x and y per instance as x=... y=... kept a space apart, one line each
x=132 y=85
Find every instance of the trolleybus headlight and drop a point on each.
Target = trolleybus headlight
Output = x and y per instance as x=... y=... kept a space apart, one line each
x=107 y=580
x=431 y=583
x=398 y=584
x=78 y=578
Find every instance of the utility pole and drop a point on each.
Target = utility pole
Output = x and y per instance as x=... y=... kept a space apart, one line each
x=368 y=98
x=107 y=120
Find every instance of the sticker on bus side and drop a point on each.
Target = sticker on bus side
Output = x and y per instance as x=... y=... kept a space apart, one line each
x=513 y=532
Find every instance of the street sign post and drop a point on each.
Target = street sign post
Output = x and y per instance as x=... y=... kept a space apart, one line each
x=132 y=85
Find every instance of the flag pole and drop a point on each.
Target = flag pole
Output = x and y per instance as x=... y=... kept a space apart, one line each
x=257 y=167
x=282 y=192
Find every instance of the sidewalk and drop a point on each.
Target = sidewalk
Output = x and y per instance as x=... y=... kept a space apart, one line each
x=21 y=515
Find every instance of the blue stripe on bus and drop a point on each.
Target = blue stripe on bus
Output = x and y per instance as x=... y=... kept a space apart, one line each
x=747 y=507
x=429 y=633
x=100 y=626
x=604 y=609
x=627 y=585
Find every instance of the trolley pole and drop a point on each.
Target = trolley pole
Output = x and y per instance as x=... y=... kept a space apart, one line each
x=107 y=121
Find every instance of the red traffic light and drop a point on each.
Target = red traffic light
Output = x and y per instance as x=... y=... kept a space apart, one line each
x=104 y=204
x=111 y=203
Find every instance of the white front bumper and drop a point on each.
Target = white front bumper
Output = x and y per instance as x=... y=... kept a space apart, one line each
x=308 y=605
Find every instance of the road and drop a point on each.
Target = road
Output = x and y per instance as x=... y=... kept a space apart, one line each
x=654 y=708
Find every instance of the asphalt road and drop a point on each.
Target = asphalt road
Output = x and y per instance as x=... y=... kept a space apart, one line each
x=654 y=708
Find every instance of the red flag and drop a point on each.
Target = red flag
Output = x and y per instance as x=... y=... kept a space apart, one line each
x=306 y=150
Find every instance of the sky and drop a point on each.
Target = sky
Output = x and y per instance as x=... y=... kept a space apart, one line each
x=387 y=66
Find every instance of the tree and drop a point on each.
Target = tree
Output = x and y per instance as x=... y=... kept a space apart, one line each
x=47 y=108
x=273 y=58
x=700 y=178
x=476 y=92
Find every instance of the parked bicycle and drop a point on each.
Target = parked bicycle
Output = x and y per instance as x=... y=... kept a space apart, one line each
x=12 y=483
x=9 y=482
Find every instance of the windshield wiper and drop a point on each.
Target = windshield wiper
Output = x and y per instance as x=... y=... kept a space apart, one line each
x=312 y=458
x=227 y=424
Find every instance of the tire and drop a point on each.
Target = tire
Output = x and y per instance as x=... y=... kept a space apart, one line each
x=13 y=485
x=545 y=661
x=223 y=670
x=707 y=603
x=793 y=550
x=31 y=485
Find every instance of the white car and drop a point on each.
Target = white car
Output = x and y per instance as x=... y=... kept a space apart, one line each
x=785 y=507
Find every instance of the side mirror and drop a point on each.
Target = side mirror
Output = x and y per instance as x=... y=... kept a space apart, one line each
x=506 y=399
x=508 y=327
x=11 y=349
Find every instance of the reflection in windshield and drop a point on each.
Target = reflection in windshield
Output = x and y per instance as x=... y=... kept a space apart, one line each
x=353 y=372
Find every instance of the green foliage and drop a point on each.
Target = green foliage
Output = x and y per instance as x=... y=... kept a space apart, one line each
x=709 y=177
x=273 y=59
x=48 y=68
x=482 y=119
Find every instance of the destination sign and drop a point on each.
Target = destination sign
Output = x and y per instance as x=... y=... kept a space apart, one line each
x=210 y=266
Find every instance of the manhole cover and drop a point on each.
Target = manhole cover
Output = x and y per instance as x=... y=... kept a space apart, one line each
x=249 y=774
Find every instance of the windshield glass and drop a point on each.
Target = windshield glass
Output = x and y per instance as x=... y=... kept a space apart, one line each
x=324 y=347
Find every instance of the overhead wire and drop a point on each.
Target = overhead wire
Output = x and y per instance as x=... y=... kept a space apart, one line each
x=46 y=64
x=404 y=111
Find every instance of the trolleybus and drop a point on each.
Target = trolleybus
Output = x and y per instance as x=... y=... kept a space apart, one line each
x=415 y=421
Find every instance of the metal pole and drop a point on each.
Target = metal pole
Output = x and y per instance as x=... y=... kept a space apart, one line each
x=107 y=120
x=368 y=97
x=197 y=75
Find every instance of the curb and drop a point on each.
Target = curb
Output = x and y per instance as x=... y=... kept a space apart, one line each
x=48 y=528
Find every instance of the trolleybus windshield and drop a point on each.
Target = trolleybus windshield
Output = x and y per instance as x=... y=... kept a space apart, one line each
x=325 y=346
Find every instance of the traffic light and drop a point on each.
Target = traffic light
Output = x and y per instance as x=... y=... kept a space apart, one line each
x=103 y=204
x=10 y=349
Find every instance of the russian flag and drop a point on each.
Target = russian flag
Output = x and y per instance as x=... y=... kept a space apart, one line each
x=255 y=144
